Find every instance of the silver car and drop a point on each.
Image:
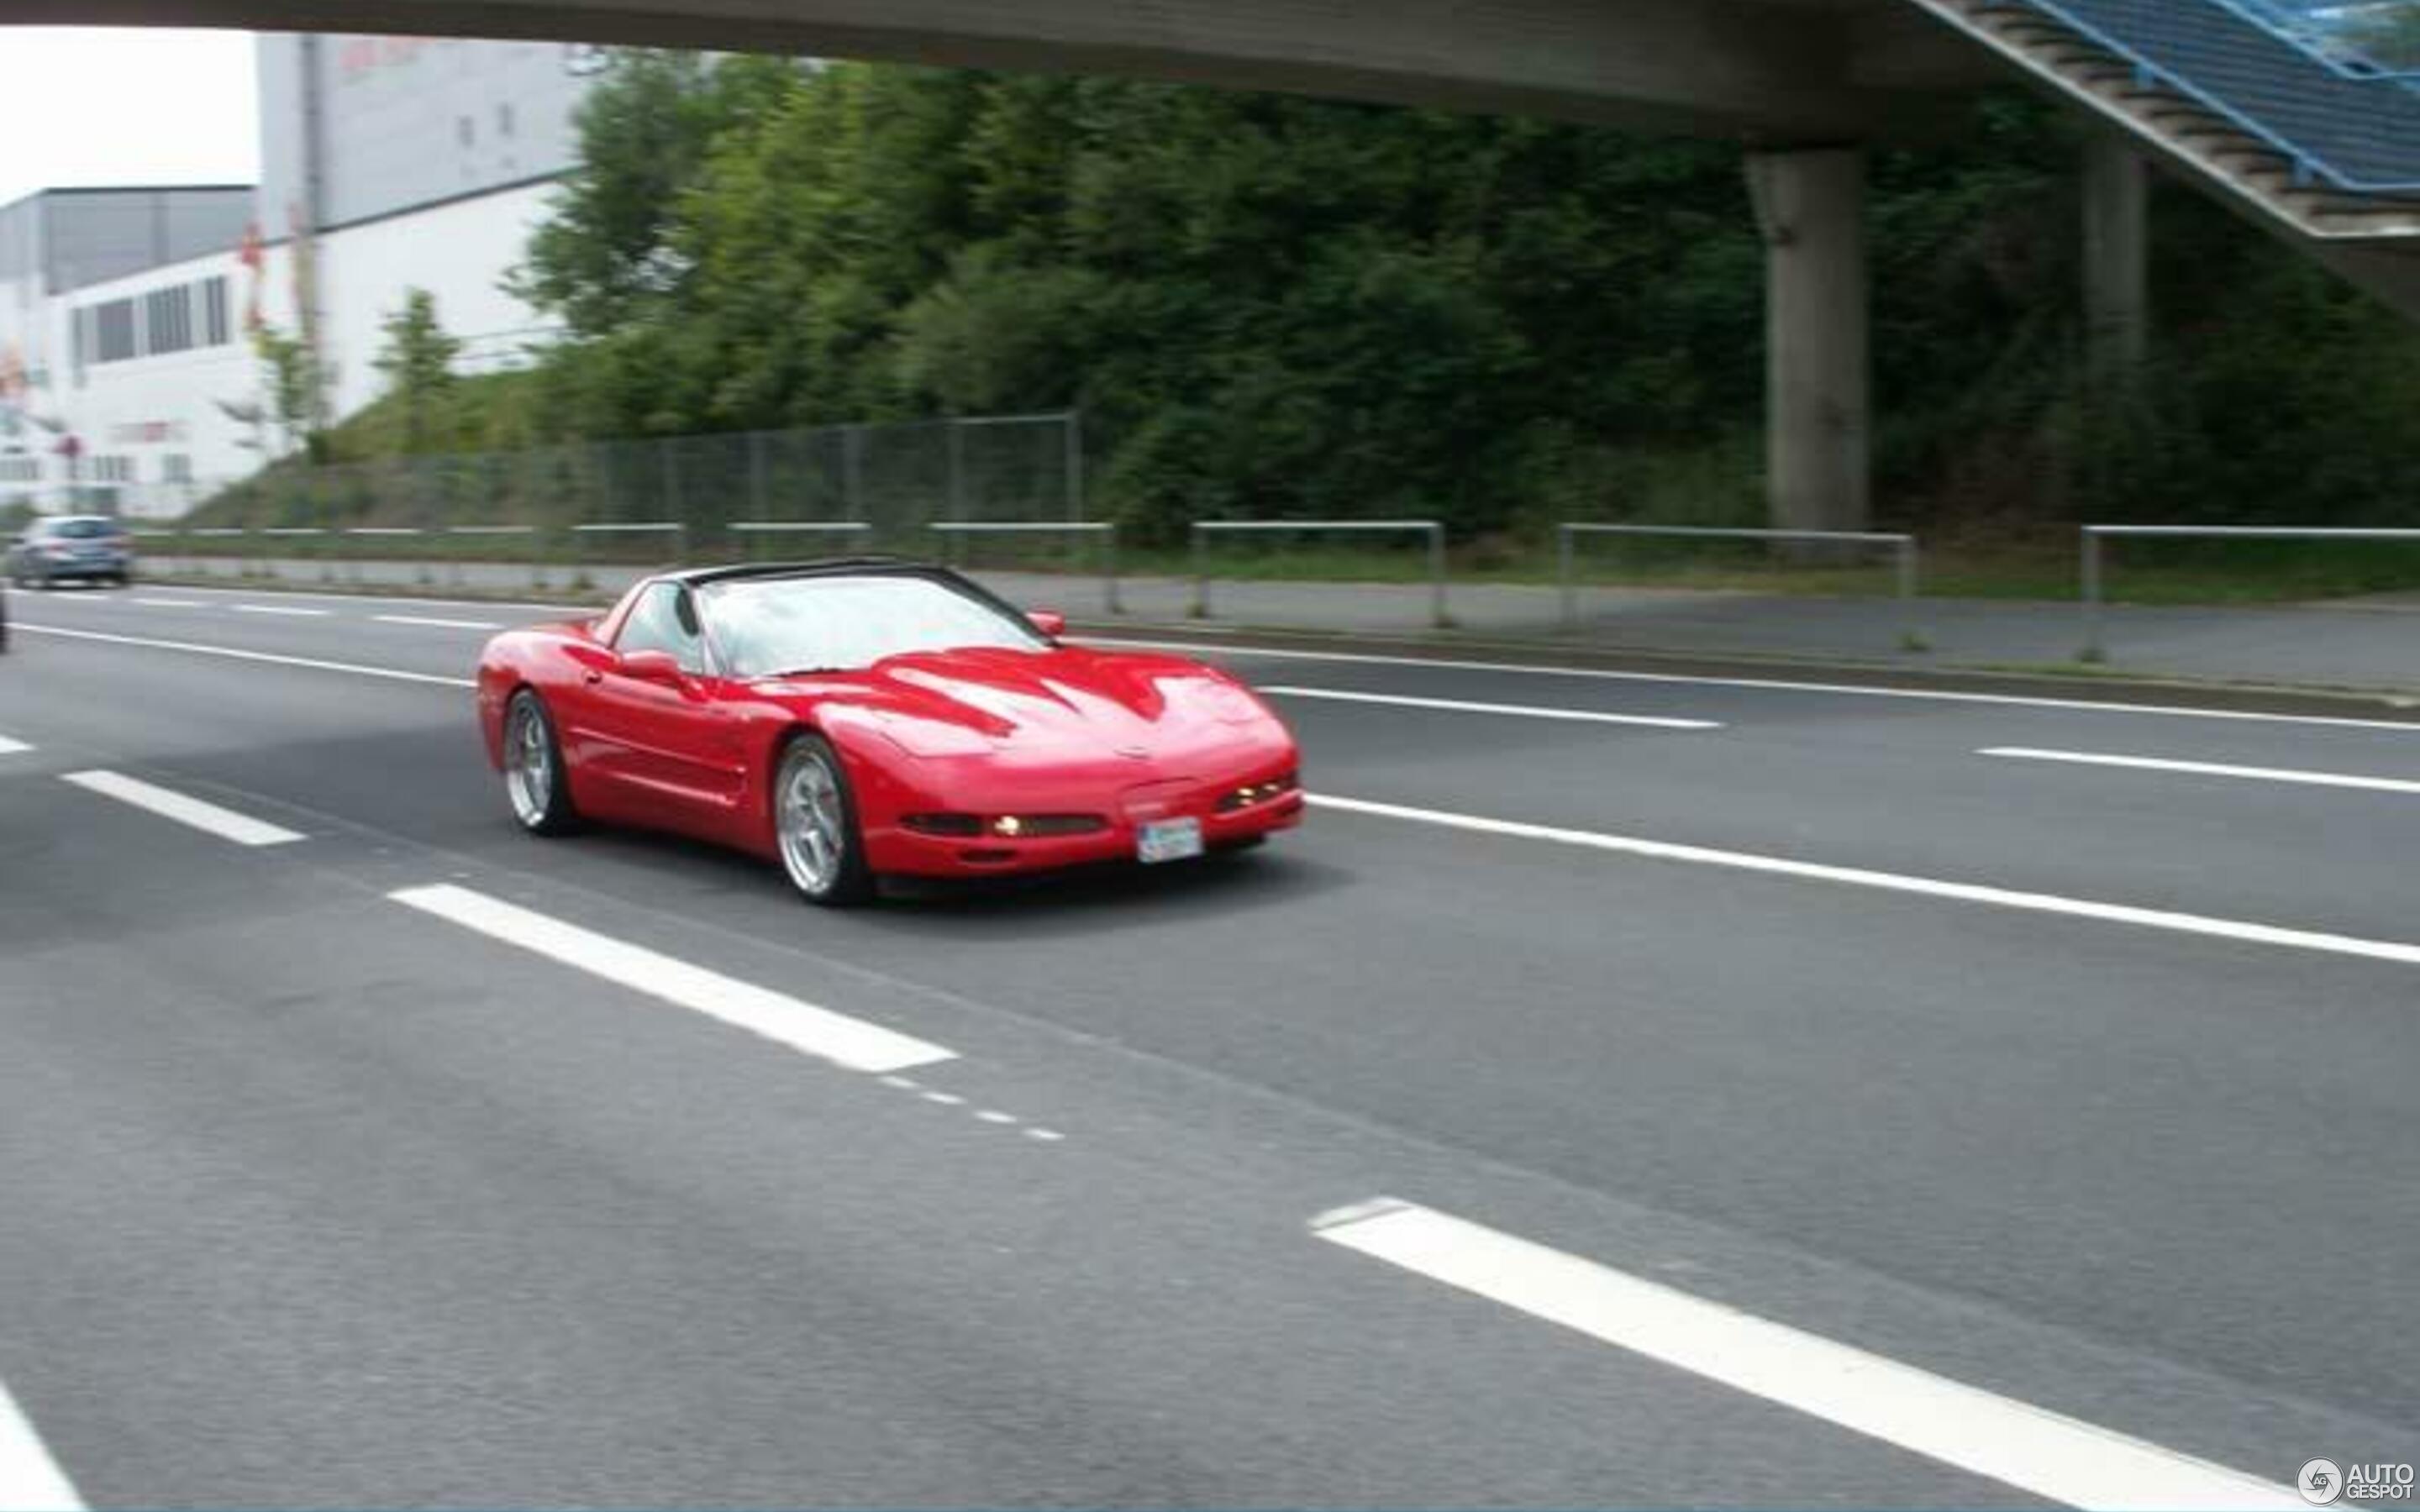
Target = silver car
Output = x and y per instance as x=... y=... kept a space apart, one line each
x=94 y=548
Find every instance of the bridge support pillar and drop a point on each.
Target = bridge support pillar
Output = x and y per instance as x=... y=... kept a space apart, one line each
x=2116 y=242
x=1809 y=206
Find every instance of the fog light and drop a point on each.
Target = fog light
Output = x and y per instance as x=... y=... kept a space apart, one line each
x=1252 y=793
x=1036 y=825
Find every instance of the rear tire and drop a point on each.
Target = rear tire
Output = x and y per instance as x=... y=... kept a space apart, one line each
x=535 y=782
x=814 y=825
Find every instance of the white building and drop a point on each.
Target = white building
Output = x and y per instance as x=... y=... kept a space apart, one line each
x=126 y=376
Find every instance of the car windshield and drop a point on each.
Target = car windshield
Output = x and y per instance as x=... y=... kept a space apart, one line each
x=838 y=624
x=83 y=528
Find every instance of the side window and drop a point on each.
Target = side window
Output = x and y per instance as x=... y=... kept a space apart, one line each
x=665 y=620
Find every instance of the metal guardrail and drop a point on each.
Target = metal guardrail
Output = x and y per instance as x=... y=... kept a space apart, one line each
x=769 y=527
x=675 y=529
x=529 y=532
x=2096 y=647
x=950 y=531
x=1903 y=547
x=1434 y=530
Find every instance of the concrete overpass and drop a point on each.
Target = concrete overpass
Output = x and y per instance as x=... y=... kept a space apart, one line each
x=1800 y=84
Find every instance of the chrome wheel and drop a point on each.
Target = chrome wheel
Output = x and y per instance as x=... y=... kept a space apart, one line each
x=529 y=763
x=813 y=822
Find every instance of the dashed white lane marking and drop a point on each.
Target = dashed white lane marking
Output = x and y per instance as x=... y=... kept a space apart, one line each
x=2007 y=1440
x=12 y=747
x=169 y=603
x=30 y=1479
x=235 y=653
x=2261 y=774
x=850 y=1042
x=283 y=609
x=952 y=1100
x=1524 y=710
x=2040 y=902
x=1771 y=684
x=436 y=622
x=224 y=823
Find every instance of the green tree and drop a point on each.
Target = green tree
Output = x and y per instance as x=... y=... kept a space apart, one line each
x=418 y=361
x=293 y=381
x=2388 y=34
x=606 y=253
x=1268 y=305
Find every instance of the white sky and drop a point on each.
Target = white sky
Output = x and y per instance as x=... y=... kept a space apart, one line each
x=95 y=105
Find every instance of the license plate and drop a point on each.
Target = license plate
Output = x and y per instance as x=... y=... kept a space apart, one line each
x=1167 y=840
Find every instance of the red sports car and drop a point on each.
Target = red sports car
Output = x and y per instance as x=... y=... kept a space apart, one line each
x=856 y=718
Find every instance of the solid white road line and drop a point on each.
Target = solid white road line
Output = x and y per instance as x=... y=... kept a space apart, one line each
x=2261 y=774
x=1774 y=685
x=282 y=608
x=2039 y=902
x=1523 y=711
x=2010 y=1442
x=169 y=603
x=847 y=1041
x=236 y=653
x=12 y=747
x=361 y=600
x=439 y=623
x=224 y=823
x=30 y=1479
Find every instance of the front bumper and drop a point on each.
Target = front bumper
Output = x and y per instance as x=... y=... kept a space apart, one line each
x=60 y=569
x=903 y=851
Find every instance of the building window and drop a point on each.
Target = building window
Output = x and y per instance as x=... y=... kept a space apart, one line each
x=464 y=131
x=505 y=118
x=114 y=330
x=214 y=312
x=169 y=321
x=177 y=467
x=111 y=470
x=21 y=470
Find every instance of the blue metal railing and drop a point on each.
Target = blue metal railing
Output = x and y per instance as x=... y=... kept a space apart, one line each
x=2352 y=130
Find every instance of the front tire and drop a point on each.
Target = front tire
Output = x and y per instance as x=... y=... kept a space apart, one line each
x=535 y=782
x=814 y=825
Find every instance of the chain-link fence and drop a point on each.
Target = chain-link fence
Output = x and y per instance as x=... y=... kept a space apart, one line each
x=898 y=479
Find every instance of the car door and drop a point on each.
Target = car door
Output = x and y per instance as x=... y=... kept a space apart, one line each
x=666 y=749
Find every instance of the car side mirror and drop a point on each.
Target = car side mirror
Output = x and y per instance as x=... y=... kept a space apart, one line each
x=651 y=667
x=1049 y=621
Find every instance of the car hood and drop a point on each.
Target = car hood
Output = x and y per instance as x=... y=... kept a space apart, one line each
x=1065 y=702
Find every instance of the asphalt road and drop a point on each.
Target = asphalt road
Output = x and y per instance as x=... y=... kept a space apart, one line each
x=2069 y=1092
